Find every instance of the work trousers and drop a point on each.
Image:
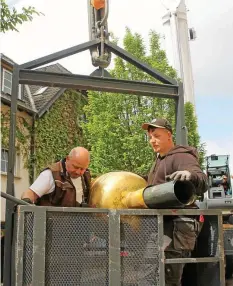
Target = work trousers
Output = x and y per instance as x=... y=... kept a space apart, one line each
x=180 y=235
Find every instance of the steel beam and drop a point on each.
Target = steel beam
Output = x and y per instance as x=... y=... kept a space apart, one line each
x=10 y=179
x=139 y=64
x=144 y=212
x=39 y=237
x=191 y=260
x=114 y=249
x=221 y=250
x=60 y=55
x=161 y=250
x=82 y=82
x=19 y=255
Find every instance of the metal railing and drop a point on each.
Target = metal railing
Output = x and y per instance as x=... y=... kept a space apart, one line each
x=83 y=246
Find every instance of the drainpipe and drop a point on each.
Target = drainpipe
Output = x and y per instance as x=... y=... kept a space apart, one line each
x=32 y=152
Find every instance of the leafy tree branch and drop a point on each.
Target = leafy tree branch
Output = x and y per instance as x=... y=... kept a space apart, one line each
x=10 y=18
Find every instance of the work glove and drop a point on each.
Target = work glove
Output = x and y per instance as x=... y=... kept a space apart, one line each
x=179 y=176
x=27 y=200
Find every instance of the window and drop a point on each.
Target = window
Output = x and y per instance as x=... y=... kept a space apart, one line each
x=6 y=81
x=4 y=162
x=41 y=90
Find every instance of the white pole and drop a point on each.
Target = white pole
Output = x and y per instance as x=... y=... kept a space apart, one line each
x=177 y=46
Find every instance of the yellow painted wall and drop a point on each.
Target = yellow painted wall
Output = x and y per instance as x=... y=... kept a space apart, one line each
x=21 y=184
x=22 y=177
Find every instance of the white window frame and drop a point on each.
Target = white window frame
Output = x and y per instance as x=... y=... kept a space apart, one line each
x=17 y=163
x=10 y=88
x=4 y=170
x=41 y=90
x=4 y=71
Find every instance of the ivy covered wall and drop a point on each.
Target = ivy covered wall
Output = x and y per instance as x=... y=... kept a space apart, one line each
x=58 y=130
x=55 y=133
x=23 y=132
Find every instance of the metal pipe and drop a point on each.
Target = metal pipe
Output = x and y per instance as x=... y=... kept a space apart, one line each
x=13 y=199
x=170 y=194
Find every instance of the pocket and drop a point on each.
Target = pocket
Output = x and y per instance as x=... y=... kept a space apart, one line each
x=57 y=196
x=184 y=235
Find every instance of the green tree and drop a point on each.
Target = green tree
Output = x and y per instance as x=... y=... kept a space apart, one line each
x=10 y=18
x=113 y=127
x=192 y=127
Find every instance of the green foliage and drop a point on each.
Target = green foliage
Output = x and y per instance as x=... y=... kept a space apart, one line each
x=58 y=131
x=113 y=128
x=193 y=136
x=23 y=134
x=10 y=18
x=114 y=122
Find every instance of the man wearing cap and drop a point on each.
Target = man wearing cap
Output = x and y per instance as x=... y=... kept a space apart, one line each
x=64 y=183
x=175 y=162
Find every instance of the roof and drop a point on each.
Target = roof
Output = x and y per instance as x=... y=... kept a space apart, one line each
x=32 y=100
x=6 y=59
x=42 y=100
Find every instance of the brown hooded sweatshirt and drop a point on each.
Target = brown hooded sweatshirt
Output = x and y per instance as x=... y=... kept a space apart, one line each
x=179 y=158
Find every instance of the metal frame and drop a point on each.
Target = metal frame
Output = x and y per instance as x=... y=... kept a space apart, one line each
x=83 y=82
x=39 y=237
x=22 y=74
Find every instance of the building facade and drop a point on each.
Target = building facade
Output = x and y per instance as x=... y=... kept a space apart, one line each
x=35 y=104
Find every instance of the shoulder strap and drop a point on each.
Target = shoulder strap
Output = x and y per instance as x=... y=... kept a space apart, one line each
x=86 y=184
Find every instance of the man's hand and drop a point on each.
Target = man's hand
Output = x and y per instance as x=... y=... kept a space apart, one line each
x=180 y=176
x=27 y=200
x=30 y=195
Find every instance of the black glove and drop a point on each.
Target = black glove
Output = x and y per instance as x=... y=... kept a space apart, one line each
x=180 y=176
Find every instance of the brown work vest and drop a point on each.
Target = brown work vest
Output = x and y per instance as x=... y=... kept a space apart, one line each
x=64 y=194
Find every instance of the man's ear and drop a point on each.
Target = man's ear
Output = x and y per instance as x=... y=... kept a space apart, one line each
x=169 y=135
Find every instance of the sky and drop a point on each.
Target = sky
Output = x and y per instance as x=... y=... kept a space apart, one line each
x=65 y=24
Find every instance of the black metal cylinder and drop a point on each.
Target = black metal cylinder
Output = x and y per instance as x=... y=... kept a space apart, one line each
x=169 y=195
